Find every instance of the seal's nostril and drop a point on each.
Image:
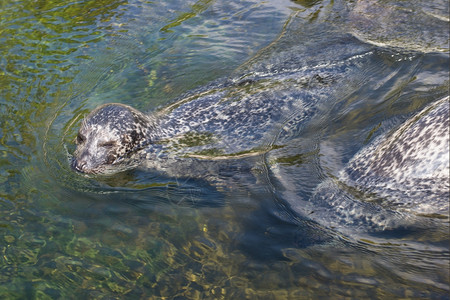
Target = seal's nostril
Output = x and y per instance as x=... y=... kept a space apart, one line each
x=78 y=165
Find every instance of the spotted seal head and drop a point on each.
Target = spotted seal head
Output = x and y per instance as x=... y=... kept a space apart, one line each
x=109 y=137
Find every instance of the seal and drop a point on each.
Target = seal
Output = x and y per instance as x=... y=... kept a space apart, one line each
x=399 y=181
x=410 y=163
x=234 y=120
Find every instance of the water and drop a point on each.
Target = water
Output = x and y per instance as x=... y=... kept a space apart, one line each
x=140 y=234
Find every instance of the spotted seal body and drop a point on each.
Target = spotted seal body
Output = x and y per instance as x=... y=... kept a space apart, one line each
x=222 y=122
x=400 y=180
x=411 y=163
x=116 y=137
x=228 y=119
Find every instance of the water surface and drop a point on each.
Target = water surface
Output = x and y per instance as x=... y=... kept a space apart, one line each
x=139 y=234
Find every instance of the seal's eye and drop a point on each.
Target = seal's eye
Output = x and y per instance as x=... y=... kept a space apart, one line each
x=80 y=138
x=108 y=144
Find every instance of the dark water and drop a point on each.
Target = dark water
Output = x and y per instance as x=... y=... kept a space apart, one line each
x=141 y=235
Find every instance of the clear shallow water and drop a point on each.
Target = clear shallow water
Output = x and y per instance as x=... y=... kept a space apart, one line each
x=139 y=234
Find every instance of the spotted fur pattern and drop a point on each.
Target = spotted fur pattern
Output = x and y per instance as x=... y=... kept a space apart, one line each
x=228 y=119
x=400 y=180
x=109 y=136
x=221 y=122
x=411 y=163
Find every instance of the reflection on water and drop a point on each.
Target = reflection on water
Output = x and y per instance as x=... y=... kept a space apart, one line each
x=141 y=234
